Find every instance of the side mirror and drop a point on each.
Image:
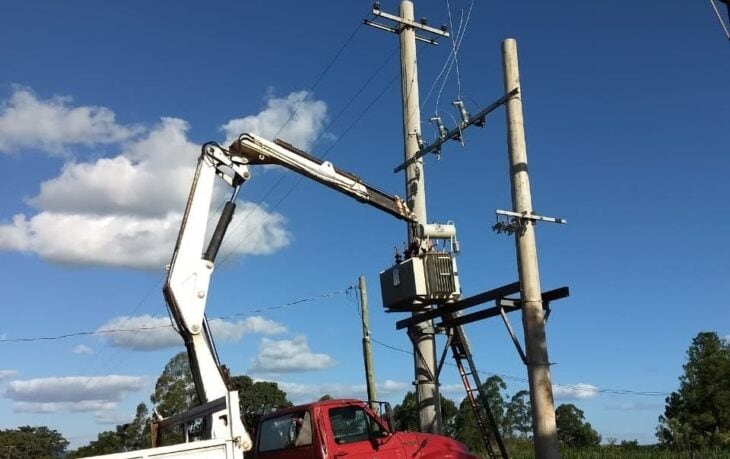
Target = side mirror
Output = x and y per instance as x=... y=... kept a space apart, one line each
x=385 y=413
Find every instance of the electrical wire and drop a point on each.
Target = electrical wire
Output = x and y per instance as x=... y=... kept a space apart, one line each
x=300 y=179
x=320 y=77
x=719 y=18
x=357 y=94
x=157 y=327
x=573 y=387
x=456 y=53
x=461 y=33
x=229 y=252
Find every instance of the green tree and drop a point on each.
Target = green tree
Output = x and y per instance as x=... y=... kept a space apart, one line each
x=517 y=419
x=32 y=442
x=448 y=415
x=467 y=430
x=572 y=428
x=258 y=398
x=107 y=442
x=698 y=414
x=406 y=414
x=175 y=393
x=175 y=389
x=127 y=437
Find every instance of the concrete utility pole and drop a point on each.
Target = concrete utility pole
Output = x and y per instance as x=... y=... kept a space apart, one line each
x=424 y=342
x=366 y=350
x=538 y=366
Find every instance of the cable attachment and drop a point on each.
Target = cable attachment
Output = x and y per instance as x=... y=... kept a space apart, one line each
x=419 y=139
x=440 y=126
x=465 y=116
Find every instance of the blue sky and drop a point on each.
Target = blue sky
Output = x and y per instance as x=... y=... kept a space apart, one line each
x=103 y=109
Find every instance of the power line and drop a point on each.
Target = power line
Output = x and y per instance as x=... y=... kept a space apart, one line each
x=230 y=252
x=321 y=76
x=344 y=291
x=574 y=387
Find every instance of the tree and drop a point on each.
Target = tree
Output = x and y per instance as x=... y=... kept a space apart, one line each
x=467 y=430
x=448 y=415
x=406 y=414
x=518 y=416
x=32 y=442
x=407 y=418
x=175 y=389
x=698 y=414
x=127 y=437
x=258 y=398
x=107 y=442
x=572 y=428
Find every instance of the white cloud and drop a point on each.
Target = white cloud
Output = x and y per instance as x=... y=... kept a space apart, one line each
x=53 y=124
x=390 y=387
x=580 y=391
x=288 y=356
x=150 y=177
x=126 y=210
x=146 y=333
x=112 y=418
x=452 y=389
x=142 y=333
x=303 y=120
x=4 y=374
x=82 y=349
x=634 y=406
x=234 y=331
x=302 y=393
x=71 y=407
x=89 y=389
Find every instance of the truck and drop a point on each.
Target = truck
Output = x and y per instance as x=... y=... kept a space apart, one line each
x=345 y=428
x=337 y=428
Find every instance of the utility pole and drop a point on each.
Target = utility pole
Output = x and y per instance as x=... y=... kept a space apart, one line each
x=424 y=341
x=538 y=365
x=366 y=350
x=422 y=334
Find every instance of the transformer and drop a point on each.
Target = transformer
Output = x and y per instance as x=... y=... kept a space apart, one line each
x=430 y=278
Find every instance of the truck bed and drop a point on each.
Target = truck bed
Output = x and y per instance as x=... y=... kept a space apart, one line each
x=206 y=449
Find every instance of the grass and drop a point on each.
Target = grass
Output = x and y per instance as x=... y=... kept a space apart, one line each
x=522 y=449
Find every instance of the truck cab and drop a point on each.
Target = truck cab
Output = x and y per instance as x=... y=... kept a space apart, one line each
x=344 y=428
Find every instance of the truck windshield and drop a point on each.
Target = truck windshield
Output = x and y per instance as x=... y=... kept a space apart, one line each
x=351 y=424
x=287 y=431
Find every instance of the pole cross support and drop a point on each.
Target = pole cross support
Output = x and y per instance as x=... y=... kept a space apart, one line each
x=516 y=222
x=478 y=120
x=401 y=23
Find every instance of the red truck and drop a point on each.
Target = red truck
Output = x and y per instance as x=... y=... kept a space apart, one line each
x=345 y=429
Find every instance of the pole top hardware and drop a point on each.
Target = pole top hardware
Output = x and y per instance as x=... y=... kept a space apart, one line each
x=401 y=23
x=455 y=134
x=516 y=222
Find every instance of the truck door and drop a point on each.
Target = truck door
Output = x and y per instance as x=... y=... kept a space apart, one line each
x=286 y=436
x=356 y=434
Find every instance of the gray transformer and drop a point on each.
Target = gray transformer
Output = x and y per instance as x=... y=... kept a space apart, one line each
x=430 y=278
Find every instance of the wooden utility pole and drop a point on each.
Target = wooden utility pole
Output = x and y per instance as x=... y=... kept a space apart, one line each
x=538 y=365
x=366 y=350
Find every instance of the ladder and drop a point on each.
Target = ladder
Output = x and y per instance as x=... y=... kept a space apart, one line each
x=475 y=393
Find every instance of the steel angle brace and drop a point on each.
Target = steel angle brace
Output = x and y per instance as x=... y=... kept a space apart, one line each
x=450 y=308
x=505 y=306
